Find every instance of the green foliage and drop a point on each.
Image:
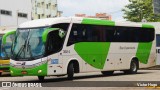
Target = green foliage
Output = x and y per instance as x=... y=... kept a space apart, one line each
x=140 y=9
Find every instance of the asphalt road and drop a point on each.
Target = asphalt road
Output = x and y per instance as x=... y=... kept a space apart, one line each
x=91 y=80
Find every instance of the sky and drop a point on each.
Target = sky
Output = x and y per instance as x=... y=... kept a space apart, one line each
x=90 y=7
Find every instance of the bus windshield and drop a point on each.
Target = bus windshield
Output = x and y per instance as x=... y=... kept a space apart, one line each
x=0 y=45
x=6 y=48
x=28 y=44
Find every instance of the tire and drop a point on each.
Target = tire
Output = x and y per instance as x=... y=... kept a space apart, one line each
x=107 y=72
x=0 y=73
x=70 y=71
x=133 y=68
x=41 y=78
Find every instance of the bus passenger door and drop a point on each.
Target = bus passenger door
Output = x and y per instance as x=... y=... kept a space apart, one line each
x=54 y=64
x=53 y=48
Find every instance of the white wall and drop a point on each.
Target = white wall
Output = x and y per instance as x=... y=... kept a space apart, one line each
x=24 y=6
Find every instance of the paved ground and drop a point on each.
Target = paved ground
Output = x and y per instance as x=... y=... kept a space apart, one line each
x=94 y=78
x=142 y=75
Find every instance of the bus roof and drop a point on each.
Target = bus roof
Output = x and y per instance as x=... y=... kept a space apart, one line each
x=51 y=21
x=44 y=22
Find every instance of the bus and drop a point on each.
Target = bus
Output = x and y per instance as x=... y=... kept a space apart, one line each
x=158 y=44
x=157 y=32
x=6 y=39
x=157 y=29
x=70 y=45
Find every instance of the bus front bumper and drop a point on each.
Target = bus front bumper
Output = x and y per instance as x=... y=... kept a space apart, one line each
x=4 y=65
x=34 y=71
x=4 y=68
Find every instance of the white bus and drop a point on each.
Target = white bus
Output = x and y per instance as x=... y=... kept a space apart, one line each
x=158 y=45
x=64 y=46
x=157 y=31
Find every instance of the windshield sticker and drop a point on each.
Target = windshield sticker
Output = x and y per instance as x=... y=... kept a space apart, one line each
x=62 y=33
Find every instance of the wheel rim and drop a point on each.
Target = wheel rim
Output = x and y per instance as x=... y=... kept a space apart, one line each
x=134 y=66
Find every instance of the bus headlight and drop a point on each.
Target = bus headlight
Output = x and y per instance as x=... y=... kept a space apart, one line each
x=11 y=71
x=39 y=71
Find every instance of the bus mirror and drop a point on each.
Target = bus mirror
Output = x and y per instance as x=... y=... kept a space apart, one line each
x=62 y=33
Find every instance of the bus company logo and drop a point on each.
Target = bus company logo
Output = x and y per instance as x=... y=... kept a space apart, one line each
x=18 y=63
x=6 y=84
x=23 y=67
x=23 y=63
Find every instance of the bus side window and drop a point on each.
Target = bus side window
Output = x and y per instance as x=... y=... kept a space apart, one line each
x=158 y=40
x=54 y=42
x=77 y=34
x=109 y=34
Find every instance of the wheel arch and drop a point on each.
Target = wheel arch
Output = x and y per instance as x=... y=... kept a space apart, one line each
x=136 y=60
x=76 y=65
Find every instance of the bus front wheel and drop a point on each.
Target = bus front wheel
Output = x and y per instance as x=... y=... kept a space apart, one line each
x=41 y=78
x=70 y=71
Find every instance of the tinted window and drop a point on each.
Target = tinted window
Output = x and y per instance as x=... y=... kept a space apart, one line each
x=54 y=41
x=101 y=33
x=158 y=40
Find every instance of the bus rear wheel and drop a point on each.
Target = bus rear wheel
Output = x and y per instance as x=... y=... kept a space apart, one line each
x=133 y=68
x=107 y=72
x=70 y=71
x=41 y=78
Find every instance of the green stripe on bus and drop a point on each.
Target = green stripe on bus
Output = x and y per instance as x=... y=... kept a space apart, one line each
x=143 y=52
x=98 y=22
x=147 y=26
x=5 y=36
x=144 y=49
x=30 y=71
x=94 y=53
x=1 y=67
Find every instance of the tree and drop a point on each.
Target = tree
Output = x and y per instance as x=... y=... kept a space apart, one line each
x=140 y=9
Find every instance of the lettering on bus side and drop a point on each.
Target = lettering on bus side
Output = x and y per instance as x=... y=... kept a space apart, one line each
x=126 y=48
x=66 y=51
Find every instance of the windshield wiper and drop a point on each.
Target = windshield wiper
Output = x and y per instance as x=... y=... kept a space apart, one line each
x=20 y=51
x=15 y=40
x=29 y=48
x=22 y=48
